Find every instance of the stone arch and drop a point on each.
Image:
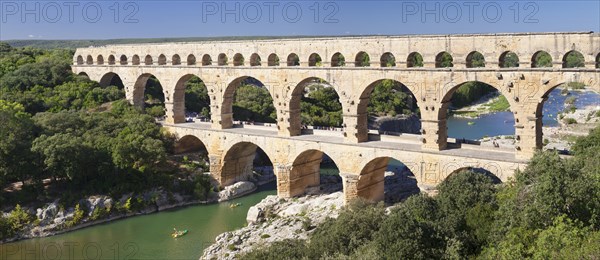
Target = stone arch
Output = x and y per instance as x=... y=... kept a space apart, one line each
x=388 y=60
x=79 y=60
x=238 y=163
x=414 y=59
x=255 y=59
x=444 y=60
x=89 y=60
x=191 y=60
x=176 y=60
x=83 y=74
x=386 y=178
x=100 y=60
x=228 y=99
x=190 y=144
x=314 y=60
x=295 y=119
x=123 y=60
x=475 y=60
x=338 y=60
x=541 y=59
x=111 y=60
x=148 y=60
x=598 y=61
x=238 y=59
x=162 y=60
x=573 y=59
x=222 y=59
x=135 y=60
x=305 y=172
x=111 y=79
x=206 y=60
x=370 y=185
x=362 y=60
x=179 y=101
x=539 y=112
x=273 y=60
x=508 y=59
x=365 y=100
x=447 y=101
x=139 y=89
x=293 y=60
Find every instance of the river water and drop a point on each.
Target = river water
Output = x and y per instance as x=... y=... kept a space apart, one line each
x=502 y=123
x=143 y=237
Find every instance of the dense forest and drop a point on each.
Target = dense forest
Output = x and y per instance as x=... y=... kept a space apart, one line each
x=551 y=210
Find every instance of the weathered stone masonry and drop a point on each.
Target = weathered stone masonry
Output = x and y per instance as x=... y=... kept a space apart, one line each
x=284 y=65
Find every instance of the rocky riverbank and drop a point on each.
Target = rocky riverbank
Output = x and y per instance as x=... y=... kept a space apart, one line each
x=54 y=218
x=277 y=219
x=490 y=103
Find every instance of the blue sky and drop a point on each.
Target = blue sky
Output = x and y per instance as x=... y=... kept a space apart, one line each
x=151 y=19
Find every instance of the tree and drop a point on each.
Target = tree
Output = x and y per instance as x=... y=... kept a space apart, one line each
x=196 y=97
x=66 y=155
x=17 y=131
x=410 y=231
x=467 y=202
x=135 y=150
x=390 y=98
x=574 y=59
x=253 y=103
x=542 y=60
x=353 y=228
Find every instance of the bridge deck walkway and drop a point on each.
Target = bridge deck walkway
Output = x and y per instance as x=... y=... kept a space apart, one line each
x=334 y=137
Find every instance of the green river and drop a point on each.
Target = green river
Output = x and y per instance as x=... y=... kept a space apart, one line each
x=143 y=237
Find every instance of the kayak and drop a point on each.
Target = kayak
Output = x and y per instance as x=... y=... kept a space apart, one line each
x=470 y=123
x=179 y=233
x=235 y=205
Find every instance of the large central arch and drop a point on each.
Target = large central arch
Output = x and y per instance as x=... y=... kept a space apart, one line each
x=446 y=102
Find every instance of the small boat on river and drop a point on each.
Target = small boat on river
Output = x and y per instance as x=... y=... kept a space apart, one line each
x=179 y=233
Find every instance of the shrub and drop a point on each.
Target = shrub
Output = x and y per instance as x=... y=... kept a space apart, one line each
x=570 y=121
x=286 y=249
x=19 y=218
x=6 y=230
x=202 y=186
x=99 y=213
x=78 y=216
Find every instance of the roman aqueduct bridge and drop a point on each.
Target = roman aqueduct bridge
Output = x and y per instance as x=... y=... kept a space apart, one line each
x=352 y=65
